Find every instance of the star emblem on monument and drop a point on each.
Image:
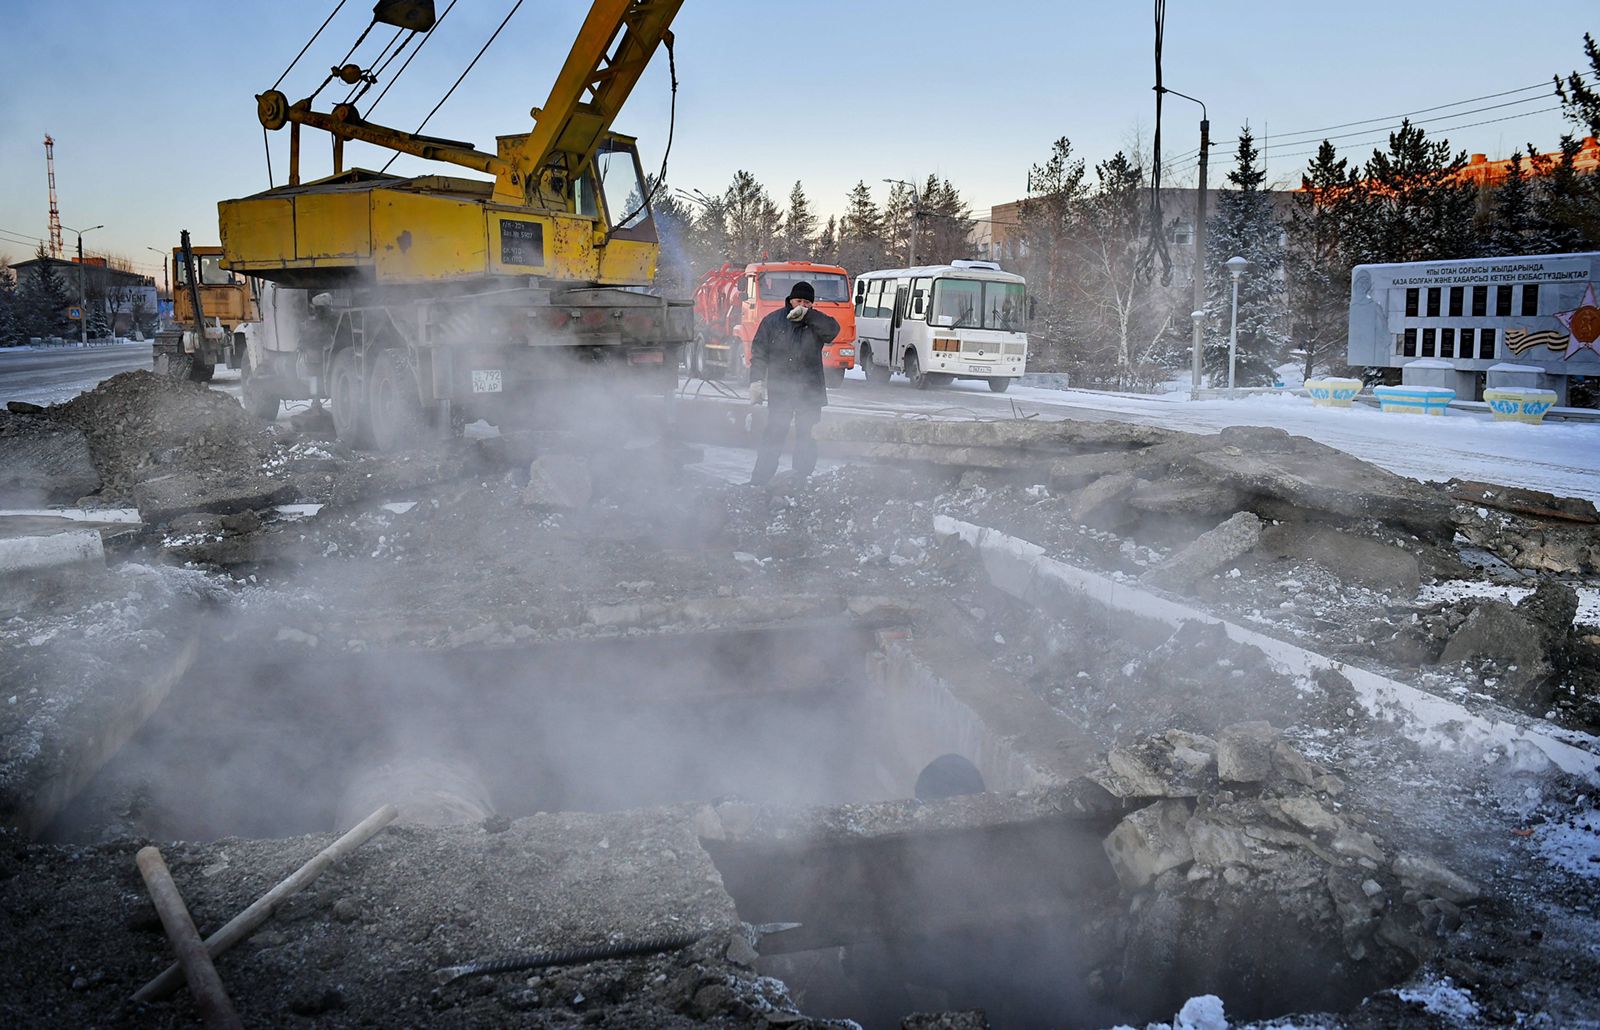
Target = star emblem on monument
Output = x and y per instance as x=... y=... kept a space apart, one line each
x=1582 y=324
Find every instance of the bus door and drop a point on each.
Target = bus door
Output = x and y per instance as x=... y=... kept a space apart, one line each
x=896 y=344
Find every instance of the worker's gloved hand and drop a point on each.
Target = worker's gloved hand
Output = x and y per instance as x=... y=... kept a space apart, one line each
x=758 y=392
x=798 y=313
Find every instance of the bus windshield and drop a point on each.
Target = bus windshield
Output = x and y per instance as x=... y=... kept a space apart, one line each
x=831 y=288
x=971 y=304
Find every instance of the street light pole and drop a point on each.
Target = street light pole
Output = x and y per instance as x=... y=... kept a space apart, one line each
x=1236 y=266
x=166 y=286
x=83 y=297
x=1199 y=243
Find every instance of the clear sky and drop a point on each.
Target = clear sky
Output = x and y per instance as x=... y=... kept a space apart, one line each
x=152 y=104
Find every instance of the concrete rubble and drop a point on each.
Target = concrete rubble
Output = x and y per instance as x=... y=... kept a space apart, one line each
x=1168 y=813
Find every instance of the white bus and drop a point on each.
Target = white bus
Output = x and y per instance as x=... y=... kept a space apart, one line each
x=936 y=323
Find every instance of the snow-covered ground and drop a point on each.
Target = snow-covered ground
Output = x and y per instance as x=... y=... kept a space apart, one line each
x=1560 y=457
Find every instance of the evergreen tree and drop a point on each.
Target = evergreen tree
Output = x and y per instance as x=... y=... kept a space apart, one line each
x=1580 y=103
x=827 y=246
x=753 y=220
x=1048 y=227
x=944 y=223
x=1566 y=206
x=799 y=226
x=43 y=300
x=898 y=213
x=710 y=244
x=1415 y=206
x=1512 y=229
x=1245 y=226
x=861 y=243
x=10 y=320
x=1317 y=262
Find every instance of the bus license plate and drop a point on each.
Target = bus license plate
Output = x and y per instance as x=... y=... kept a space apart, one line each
x=982 y=368
x=486 y=380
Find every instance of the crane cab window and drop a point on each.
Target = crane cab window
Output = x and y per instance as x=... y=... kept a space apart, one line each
x=622 y=188
x=207 y=266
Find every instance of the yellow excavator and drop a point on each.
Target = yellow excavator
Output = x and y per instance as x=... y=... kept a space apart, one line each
x=429 y=301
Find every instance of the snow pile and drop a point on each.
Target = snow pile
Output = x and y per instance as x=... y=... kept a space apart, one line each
x=1460 y=589
x=1573 y=843
x=1442 y=998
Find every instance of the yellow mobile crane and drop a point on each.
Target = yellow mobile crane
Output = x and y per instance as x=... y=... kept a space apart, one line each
x=436 y=299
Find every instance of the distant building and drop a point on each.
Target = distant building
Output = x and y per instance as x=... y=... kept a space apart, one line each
x=1483 y=172
x=126 y=294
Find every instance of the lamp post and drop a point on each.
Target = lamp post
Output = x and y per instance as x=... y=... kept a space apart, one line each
x=1199 y=241
x=1235 y=266
x=916 y=213
x=166 y=286
x=83 y=299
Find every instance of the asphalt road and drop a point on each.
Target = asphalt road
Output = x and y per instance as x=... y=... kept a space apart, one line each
x=55 y=375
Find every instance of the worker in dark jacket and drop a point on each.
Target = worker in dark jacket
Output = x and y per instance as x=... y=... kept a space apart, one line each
x=786 y=372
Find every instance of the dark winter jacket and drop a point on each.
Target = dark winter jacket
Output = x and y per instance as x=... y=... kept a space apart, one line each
x=788 y=355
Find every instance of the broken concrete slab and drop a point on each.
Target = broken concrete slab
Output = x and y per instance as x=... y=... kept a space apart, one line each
x=1521 y=501
x=558 y=481
x=1244 y=752
x=1426 y=874
x=1069 y=436
x=178 y=493
x=1101 y=503
x=1497 y=631
x=1187 y=498
x=1369 y=562
x=1234 y=538
x=1306 y=478
x=1149 y=842
x=30 y=554
x=43 y=462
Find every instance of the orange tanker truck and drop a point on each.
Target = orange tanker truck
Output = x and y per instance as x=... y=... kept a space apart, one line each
x=731 y=301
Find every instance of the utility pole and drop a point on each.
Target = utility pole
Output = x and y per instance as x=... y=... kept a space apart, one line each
x=83 y=296
x=1197 y=315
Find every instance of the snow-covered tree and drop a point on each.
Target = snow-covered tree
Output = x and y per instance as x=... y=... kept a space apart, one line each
x=827 y=245
x=943 y=224
x=10 y=315
x=1566 y=206
x=1245 y=226
x=1511 y=227
x=43 y=300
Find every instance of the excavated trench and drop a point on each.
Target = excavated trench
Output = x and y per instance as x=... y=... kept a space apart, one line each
x=1017 y=913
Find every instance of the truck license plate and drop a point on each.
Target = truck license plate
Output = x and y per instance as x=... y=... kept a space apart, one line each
x=982 y=369
x=486 y=380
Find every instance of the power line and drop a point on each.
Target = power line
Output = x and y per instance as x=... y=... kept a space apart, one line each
x=1385 y=133
x=1291 y=137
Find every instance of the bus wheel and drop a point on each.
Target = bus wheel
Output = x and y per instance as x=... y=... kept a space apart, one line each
x=914 y=371
x=833 y=375
x=876 y=373
x=998 y=385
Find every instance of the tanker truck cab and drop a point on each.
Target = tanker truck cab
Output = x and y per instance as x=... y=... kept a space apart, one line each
x=766 y=289
x=938 y=323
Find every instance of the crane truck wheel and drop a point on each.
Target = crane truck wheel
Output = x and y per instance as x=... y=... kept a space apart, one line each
x=350 y=419
x=393 y=405
x=258 y=401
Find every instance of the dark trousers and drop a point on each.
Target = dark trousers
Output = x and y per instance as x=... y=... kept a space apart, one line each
x=780 y=412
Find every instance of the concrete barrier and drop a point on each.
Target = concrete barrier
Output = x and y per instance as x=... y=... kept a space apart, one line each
x=1332 y=391
x=1414 y=400
x=1519 y=404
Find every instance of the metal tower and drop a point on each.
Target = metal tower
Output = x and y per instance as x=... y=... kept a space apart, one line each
x=55 y=208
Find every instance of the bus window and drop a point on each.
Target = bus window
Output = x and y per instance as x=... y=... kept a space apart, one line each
x=958 y=303
x=861 y=296
x=919 y=299
x=875 y=299
x=1003 y=306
